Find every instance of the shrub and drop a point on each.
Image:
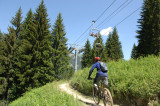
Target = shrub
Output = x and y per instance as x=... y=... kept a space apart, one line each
x=128 y=80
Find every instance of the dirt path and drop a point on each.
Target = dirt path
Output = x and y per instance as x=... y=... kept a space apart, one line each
x=87 y=100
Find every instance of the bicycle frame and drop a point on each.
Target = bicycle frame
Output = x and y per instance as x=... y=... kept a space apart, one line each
x=101 y=89
x=102 y=93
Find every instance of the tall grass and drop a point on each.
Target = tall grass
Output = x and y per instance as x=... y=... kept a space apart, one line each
x=130 y=80
x=48 y=95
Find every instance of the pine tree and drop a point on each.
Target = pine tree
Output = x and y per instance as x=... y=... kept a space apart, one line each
x=24 y=68
x=134 y=52
x=8 y=57
x=87 y=55
x=113 y=48
x=16 y=22
x=98 y=52
x=1 y=35
x=108 y=49
x=2 y=78
x=61 y=53
x=1 y=42
x=41 y=61
x=116 y=46
x=148 y=33
x=7 y=61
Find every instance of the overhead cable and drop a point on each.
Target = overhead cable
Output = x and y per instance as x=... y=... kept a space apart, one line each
x=119 y=22
x=106 y=10
x=96 y=20
x=113 y=12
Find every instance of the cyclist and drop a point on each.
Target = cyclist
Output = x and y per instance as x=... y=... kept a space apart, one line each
x=100 y=74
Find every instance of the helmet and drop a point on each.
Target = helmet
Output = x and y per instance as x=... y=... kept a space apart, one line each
x=97 y=59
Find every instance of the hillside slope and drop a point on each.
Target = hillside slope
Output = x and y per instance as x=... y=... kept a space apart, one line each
x=48 y=95
x=86 y=99
x=134 y=81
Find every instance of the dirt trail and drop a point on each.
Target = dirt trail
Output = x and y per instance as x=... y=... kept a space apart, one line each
x=87 y=100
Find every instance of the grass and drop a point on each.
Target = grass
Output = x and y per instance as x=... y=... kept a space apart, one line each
x=132 y=80
x=48 y=95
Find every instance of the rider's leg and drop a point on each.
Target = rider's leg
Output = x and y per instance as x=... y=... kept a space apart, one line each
x=105 y=82
x=95 y=83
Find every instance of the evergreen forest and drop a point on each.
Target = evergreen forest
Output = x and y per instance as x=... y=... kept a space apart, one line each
x=35 y=52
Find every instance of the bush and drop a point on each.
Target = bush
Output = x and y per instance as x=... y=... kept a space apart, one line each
x=132 y=80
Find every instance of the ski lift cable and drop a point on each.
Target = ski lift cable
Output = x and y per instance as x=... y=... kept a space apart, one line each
x=127 y=17
x=115 y=26
x=96 y=20
x=120 y=21
x=106 y=10
x=83 y=33
x=113 y=12
x=84 y=38
x=93 y=29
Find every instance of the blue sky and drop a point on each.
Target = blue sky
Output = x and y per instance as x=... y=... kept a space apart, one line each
x=78 y=15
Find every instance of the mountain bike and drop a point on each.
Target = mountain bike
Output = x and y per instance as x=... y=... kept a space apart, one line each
x=102 y=93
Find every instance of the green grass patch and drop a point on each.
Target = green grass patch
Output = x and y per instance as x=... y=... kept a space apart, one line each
x=130 y=80
x=48 y=95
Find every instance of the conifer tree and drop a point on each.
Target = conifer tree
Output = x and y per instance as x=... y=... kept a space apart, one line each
x=1 y=35
x=87 y=55
x=61 y=53
x=41 y=61
x=17 y=22
x=134 y=52
x=8 y=58
x=2 y=78
x=113 y=48
x=116 y=46
x=7 y=61
x=108 y=49
x=149 y=27
x=1 y=42
x=24 y=68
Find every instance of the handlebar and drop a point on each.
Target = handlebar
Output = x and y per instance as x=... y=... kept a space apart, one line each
x=91 y=79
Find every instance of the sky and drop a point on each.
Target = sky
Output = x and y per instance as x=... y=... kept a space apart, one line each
x=78 y=16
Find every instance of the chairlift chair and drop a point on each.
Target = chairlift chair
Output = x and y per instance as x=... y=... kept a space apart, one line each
x=98 y=46
x=94 y=32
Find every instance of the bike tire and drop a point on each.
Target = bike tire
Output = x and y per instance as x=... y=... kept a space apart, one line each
x=96 y=95
x=108 y=100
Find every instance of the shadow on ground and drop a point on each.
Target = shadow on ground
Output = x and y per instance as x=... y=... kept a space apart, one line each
x=89 y=104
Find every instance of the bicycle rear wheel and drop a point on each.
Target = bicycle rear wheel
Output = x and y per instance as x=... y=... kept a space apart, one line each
x=96 y=96
x=108 y=101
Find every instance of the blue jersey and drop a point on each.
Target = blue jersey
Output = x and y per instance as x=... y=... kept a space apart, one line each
x=99 y=72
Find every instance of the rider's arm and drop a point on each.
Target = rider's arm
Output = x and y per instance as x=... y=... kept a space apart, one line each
x=91 y=70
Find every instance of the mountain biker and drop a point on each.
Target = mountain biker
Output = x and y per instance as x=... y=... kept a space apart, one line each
x=100 y=74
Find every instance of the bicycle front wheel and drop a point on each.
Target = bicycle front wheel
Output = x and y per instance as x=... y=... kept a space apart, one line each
x=96 y=96
x=108 y=101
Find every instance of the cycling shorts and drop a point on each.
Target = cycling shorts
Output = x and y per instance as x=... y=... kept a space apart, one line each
x=103 y=78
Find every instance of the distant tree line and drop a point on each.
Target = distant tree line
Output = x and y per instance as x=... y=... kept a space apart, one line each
x=31 y=55
x=149 y=30
x=111 y=51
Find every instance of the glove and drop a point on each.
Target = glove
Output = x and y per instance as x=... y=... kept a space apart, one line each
x=89 y=77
